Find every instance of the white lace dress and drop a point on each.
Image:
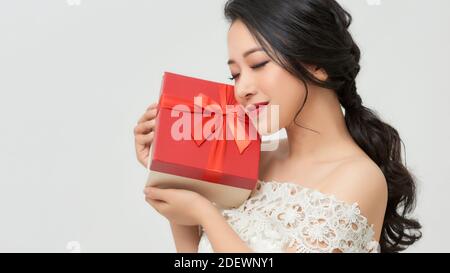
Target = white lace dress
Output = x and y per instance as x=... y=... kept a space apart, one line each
x=287 y=217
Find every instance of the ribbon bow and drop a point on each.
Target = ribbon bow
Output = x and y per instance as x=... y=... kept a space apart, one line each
x=214 y=168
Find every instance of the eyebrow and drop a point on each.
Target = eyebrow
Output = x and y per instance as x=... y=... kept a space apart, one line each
x=248 y=52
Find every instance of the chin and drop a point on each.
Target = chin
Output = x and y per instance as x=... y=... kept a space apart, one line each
x=264 y=127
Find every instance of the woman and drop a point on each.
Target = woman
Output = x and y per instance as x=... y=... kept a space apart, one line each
x=337 y=183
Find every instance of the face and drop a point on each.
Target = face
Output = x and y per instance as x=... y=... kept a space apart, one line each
x=257 y=78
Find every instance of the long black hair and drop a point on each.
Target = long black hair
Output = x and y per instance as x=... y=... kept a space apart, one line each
x=298 y=32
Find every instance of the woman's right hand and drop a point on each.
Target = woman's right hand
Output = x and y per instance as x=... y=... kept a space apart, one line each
x=144 y=134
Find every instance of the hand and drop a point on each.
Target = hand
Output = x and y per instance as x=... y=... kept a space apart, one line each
x=182 y=207
x=144 y=134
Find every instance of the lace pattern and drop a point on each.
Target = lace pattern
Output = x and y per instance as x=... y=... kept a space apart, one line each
x=287 y=217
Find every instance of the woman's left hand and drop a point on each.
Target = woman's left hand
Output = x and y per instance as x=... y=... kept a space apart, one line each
x=182 y=207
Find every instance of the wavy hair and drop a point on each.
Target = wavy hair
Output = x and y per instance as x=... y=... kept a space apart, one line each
x=298 y=32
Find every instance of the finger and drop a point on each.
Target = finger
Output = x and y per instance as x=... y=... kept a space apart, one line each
x=149 y=191
x=145 y=127
x=157 y=193
x=143 y=154
x=156 y=204
x=152 y=106
x=148 y=115
x=143 y=140
x=159 y=205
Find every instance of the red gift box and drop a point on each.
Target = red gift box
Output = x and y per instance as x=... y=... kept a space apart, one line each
x=218 y=158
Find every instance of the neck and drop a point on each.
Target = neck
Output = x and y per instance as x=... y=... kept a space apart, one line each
x=322 y=113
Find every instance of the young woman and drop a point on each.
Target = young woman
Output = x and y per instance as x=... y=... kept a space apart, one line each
x=337 y=183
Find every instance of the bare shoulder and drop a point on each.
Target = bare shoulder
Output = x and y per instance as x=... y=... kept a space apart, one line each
x=360 y=180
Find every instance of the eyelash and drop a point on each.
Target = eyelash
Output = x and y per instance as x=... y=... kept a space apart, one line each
x=232 y=78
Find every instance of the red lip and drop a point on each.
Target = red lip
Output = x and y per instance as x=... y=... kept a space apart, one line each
x=257 y=105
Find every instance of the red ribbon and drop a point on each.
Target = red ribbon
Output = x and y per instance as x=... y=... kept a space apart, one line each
x=214 y=168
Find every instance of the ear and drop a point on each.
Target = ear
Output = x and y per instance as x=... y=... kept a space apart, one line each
x=317 y=72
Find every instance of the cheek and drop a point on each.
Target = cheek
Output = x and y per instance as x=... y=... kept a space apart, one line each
x=291 y=103
x=286 y=91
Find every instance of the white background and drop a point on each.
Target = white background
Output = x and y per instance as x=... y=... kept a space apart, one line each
x=75 y=78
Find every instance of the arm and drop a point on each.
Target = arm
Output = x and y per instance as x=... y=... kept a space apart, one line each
x=190 y=209
x=186 y=238
x=221 y=236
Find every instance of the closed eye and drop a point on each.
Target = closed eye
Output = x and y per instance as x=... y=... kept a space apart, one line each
x=260 y=65
x=234 y=77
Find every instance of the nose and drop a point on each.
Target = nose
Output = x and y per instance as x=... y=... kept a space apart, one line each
x=244 y=93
